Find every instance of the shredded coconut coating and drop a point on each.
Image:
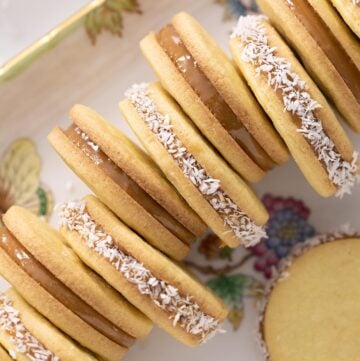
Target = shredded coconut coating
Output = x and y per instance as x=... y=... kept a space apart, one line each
x=160 y=124
x=280 y=273
x=95 y=147
x=23 y=341
x=296 y=99
x=356 y=2
x=182 y=310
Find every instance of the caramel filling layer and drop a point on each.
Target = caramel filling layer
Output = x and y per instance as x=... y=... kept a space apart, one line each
x=128 y=185
x=171 y=42
x=329 y=44
x=24 y=259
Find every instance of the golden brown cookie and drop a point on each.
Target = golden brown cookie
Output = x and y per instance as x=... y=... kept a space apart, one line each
x=296 y=106
x=50 y=277
x=350 y=11
x=28 y=336
x=197 y=73
x=324 y=47
x=221 y=198
x=161 y=289
x=126 y=179
x=312 y=310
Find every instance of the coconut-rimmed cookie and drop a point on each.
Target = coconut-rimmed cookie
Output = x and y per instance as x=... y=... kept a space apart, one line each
x=311 y=309
x=350 y=12
x=27 y=336
x=49 y=276
x=197 y=73
x=296 y=106
x=127 y=181
x=221 y=198
x=323 y=47
x=161 y=289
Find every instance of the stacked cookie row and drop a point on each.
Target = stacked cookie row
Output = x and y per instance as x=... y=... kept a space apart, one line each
x=207 y=134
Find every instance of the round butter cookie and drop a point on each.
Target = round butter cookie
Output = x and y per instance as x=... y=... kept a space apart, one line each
x=296 y=106
x=27 y=336
x=312 y=309
x=197 y=73
x=49 y=276
x=350 y=11
x=221 y=198
x=161 y=289
x=325 y=49
x=127 y=181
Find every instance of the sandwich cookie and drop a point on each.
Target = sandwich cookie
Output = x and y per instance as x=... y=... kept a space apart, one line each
x=221 y=198
x=27 y=336
x=52 y=279
x=298 y=109
x=328 y=52
x=161 y=289
x=197 y=73
x=127 y=181
x=350 y=11
x=311 y=309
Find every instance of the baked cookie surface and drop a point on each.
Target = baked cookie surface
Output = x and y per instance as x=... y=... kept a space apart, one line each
x=350 y=11
x=312 y=312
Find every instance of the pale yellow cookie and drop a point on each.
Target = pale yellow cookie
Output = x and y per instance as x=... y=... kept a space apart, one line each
x=52 y=279
x=312 y=311
x=25 y=333
x=322 y=47
x=197 y=73
x=350 y=11
x=161 y=289
x=125 y=179
x=4 y=355
x=297 y=108
x=221 y=198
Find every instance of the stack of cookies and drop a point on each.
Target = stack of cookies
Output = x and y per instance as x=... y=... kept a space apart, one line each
x=210 y=127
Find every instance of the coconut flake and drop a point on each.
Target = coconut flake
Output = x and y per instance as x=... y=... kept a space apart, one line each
x=22 y=340
x=182 y=310
x=160 y=124
x=95 y=147
x=296 y=99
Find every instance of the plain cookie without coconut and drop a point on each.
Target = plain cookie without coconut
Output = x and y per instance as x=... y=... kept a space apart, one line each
x=298 y=109
x=221 y=198
x=350 y=11
x=322 y=50
x=203 y=81
x=141 y=273
x=312 y=311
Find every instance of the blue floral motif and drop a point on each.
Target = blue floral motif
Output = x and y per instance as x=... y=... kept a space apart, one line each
x=288 y=225
x=235 y=8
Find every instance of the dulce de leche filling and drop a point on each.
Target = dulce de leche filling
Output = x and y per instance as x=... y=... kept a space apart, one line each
x=24 y=259
x=128 y=185
x=329 y=43
x=171 y=42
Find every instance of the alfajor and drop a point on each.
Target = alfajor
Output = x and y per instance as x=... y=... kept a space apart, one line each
x=311 y=309
x=296 y=106
x=196 y=72
x=52 y=279
x=350 y=11
x=27 y=336
x=327 y=49
x=221 y=198
x=127 y=181
x=161 y=289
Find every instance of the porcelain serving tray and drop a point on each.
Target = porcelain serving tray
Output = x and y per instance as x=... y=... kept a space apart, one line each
x=38 y=88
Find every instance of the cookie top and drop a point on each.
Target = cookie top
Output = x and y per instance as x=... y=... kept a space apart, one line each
x=315 y=297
